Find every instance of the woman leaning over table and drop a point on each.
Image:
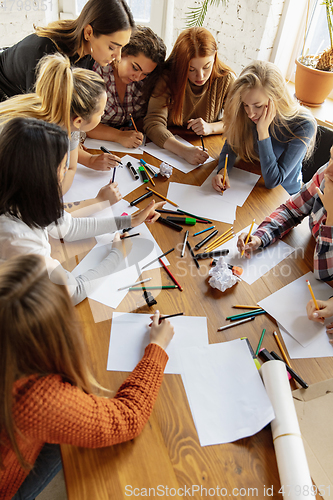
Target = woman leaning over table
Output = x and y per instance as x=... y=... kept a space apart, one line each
x=48 y=395
x=98 y=34
x=191 y=93
x=264 y=123
x=129 y=83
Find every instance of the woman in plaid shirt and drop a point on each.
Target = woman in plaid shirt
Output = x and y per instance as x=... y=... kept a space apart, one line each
x=129 y=84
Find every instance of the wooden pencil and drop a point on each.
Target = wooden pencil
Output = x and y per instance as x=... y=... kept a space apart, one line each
x=248 y=236
x=170 y=274
x=163 y=197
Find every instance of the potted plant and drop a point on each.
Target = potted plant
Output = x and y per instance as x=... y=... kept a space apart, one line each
x=314 y=74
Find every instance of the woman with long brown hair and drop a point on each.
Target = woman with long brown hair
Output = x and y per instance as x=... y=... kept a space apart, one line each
x=191 y=93
x=48 y=395
x=98 y=34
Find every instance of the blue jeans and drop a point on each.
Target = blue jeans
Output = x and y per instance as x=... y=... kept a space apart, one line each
x=47 y=465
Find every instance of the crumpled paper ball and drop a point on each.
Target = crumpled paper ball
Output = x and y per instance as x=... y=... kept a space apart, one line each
x=165 y=169
x=221 y=276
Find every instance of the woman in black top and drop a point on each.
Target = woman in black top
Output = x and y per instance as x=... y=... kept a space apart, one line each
x=98 y=34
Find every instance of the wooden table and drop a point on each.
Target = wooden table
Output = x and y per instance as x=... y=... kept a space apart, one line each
x=167 y=454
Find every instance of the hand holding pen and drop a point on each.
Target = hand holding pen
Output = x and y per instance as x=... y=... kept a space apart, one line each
x=161 y=333
x=109 y=193
x=104 y=161
x=253 y=244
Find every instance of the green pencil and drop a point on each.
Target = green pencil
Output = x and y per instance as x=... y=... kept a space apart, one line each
x=164 y=287
x=246 y=315
x=260 y=341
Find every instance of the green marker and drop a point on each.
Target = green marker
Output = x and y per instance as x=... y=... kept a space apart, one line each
x=188 y=221
x=143 y=174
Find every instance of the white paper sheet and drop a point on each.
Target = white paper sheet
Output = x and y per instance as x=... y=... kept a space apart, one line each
x=130 y=335
x=114 y=147
x=171 y=158
x=260 y=262
x=198 y=201
x=241 y=183
x=225 y=392
x=288 y=307
x=144 y=249
x=319 y=348
x=87 y=182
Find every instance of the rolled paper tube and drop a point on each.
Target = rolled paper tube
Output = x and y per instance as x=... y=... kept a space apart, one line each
x=289 y=449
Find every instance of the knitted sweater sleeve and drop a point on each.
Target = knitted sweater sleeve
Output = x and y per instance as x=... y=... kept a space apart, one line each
x=155 y=123
x=54 y=411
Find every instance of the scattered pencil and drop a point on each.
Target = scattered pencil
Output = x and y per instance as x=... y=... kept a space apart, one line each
x=246 y=315
x=163 y=197
x=248 y=237
x=277 y=340
x=236 y=323
x=239 y=306
x=134 y=284
x=219 y=238
x=260 y=341
x=161 y=287
x=157 y=258
x=170 y=316
x=225 y=171
x=170 y=274
x=132 y=120
x=148 y=174
x=204 y=230
x=312 y=295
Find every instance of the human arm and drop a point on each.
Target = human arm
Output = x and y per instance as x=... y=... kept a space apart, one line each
x=107 y=195
x=127 y=138
x=279 y=158
x=325 y=310
x=200 y=127
x=155 y=123
x=192 y=154
x=103 y=161
x=217 y=181
x=68 y=179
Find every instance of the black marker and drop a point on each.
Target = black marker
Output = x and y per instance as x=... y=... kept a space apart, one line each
x=209 y=255
x=143 y=197
x=291 y=371
x=202 y=242
x=193 y=256
x=134 y=173
x=109 y=152
x=168 y=223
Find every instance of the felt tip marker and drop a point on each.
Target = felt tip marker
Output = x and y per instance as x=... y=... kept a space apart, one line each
x=292 y=372
x=255 y=359
x=193 y=256
x=267 y=356
x=209 y=255
x=143 y=174
x=184 y=244
x=134 y=173
x=236 y=323
x=187 y=221
x=202 y=242
x=169 y=223
x=204 y=230
x=141 y=198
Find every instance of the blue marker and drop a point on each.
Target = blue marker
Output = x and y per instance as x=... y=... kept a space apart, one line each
x=147 y=167
x=204 y=230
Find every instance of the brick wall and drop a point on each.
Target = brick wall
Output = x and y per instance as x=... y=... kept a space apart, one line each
x=244 y=29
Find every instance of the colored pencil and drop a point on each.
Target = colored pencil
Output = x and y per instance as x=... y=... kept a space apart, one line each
x=225 y=170
x=219 y=237
x=131 y=117
x=248 y=236
x=148 y=174
x=171 y=316
x=228 y=237
x=159 y=257
x=312 y=295
x=236 y=323
x=277 y=340
x=246 y=307
x=245 y=315
x=170 y=274
x=163 y=197
x=203 y=231
x=134 y=284
x=195 y=216
x=260 y=341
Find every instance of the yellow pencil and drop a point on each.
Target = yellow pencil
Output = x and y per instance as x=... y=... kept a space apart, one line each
x=246 y=307
x=248 y=236
x=163 y=197
x=227 y=238
x=149 y=176
x=312 y=294
x=225 y=170
x=131 y=117
x=219 y=242
x=219 y=238
x=281 y=349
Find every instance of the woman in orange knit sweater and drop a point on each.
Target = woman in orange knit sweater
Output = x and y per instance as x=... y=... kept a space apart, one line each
x=47 y=393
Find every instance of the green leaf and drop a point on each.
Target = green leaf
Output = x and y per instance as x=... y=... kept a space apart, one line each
x=196 y=15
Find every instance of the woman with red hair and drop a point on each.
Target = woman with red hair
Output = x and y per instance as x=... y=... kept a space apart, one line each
x=191 y=93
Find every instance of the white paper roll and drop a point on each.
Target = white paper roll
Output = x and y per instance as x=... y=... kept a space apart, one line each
x=289 y=450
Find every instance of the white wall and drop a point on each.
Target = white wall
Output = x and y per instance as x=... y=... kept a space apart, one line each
x=244 y=29
x=17 y=18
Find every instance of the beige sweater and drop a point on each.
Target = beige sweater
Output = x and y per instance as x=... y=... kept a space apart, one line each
x=207 y=105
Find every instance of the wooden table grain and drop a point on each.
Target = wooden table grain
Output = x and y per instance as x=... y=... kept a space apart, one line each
x=167 y=459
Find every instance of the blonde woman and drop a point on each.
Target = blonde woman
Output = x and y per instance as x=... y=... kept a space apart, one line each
x=191 y=93
x=78 y=107
x=264 y=123
x=98 y=34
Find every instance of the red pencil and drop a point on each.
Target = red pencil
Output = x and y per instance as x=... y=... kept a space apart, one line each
x=171 y=275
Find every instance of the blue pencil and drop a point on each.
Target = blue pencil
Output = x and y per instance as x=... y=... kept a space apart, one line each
x=204 y=230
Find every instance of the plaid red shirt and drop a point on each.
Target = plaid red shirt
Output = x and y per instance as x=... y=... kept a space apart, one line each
x=116 y=113
x=305 y=203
